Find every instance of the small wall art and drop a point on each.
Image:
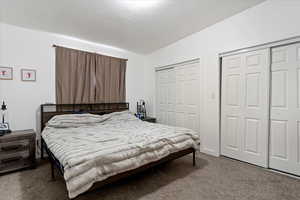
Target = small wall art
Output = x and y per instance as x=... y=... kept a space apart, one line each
x=28 y=74
x=6 y=73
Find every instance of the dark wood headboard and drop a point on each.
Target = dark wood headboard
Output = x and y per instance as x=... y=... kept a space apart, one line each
x=50 y=110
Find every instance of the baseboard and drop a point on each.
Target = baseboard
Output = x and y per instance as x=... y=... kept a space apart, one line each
x=209 y=152
x=284 y=173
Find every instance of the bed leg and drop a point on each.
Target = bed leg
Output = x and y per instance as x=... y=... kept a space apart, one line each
x=52 y=172
x=194 y=158
x=42 y=149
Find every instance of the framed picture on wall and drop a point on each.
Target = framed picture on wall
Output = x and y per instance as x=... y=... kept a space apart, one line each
x=28 y=74
x=6 y=73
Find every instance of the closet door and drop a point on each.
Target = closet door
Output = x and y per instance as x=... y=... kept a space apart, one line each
x=285 y=109
x=188 y=96
x=171 y=99
x=166 y=96
x=178 y=96
x=160 y=96
x=245 y=107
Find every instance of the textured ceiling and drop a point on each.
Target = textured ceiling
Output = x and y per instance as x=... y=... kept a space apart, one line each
x=128 y=24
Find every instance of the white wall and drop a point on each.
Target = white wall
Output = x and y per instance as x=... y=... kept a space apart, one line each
x=269 y=21
x=1 y=55
x=24 y=48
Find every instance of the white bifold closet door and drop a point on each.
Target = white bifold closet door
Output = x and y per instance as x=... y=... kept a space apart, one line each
x=245 y=107
x=178 y=96
x=285 y=109
x=166 y=96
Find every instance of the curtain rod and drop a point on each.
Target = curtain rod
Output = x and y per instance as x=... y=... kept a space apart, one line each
x=54 y=45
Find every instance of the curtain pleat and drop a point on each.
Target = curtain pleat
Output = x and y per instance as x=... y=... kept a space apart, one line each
x=110 y=79
x=83 y=77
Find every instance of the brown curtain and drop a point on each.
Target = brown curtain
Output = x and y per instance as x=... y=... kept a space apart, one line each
x=83 y=77
x=110 y=79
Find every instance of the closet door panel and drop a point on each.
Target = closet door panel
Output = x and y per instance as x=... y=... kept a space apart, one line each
x=188 y=96
x=252 y=90
x=279 y=139
x=162 y=96
x=285 y=111
x=256 y=108
x=233 y=86
x=252 y=131
x=171 y=96
x=244 y=114
x=180 y=119
x=191 y=100
x=231 y=106
x=178 y=96
x=232 y=136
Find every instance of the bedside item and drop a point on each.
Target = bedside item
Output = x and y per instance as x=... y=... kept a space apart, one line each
x=17 y=151
x=6 y=73
x=150 y=119
x=28 y=75
x=4 y=129
x=4 y=126
x=141 y=109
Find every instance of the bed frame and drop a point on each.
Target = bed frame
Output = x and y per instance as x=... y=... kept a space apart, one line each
x=50 y=110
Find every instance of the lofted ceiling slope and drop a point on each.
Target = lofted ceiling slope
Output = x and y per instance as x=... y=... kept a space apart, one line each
x=141 y=26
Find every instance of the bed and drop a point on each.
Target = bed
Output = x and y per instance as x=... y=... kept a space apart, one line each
x=96 y=144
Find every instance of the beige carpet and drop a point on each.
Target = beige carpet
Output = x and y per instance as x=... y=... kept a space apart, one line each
x=213 y=179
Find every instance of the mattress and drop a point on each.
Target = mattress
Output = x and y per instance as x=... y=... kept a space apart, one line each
x=92 y=148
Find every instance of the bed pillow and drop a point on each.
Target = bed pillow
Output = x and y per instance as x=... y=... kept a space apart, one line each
x=122 y=116
x=75 y=120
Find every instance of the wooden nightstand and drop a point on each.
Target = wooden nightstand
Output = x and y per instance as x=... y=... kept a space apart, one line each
x=150 y=119
x=17 y=151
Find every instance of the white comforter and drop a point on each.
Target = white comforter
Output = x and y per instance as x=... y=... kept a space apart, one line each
x=92 y=148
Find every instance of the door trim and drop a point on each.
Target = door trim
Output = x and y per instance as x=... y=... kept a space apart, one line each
x=187 y=62
x=282 y=42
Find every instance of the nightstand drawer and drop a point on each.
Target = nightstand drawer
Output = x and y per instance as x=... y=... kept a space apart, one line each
x=15 y=162
x=13 y=156
x=17 y=151
x=14 y=146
